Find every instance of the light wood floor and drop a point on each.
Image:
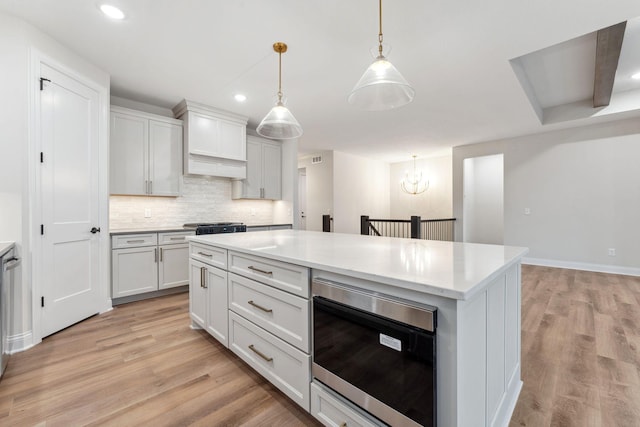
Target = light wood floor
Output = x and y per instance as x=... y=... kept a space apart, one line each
x=580 y=349
x=141 y=364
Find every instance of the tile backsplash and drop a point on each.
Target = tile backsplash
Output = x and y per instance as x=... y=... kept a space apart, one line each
x=203 y=199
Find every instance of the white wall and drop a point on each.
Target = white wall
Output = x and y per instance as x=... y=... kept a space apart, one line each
x=17 y=39
x=319 y=188
x=436 y=202
x=582 y=187
x=483 y=206
x=360 y=187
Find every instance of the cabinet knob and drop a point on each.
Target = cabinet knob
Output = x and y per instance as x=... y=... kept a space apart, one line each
x=95 y=230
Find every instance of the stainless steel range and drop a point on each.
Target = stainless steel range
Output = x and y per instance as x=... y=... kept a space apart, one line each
x=216 y=227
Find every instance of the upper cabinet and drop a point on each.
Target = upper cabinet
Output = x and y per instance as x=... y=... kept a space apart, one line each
x=145 y=153
x=214 y=140
x=264 y=171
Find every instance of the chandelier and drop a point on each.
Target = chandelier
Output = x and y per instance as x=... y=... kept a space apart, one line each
x=413 y=183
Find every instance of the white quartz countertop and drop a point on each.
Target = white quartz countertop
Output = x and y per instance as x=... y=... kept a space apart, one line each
x=450 y=269
x=5 y=247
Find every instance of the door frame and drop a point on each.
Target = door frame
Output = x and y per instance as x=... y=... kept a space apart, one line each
x=36 y=59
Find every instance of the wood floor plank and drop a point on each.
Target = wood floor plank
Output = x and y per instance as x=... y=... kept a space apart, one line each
x=593 y=380
x=141 y=364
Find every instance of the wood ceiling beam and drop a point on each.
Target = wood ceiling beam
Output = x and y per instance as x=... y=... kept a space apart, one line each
x=608 y=46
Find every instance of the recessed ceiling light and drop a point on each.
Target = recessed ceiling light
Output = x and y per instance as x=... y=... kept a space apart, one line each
x=240 y=97
x=636 y=76
x=112 y=11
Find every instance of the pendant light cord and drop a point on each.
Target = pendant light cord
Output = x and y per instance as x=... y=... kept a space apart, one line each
x=380 y=33
x=279 y=76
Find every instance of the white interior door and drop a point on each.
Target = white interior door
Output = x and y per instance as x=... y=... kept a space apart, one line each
x=302 y=197
x=69 y=194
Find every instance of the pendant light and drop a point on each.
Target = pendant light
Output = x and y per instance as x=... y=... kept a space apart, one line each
x=279 y=123
x=413 y=183
x=381 y=87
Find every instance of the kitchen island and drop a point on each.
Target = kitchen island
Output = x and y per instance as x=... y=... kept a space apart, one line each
x=476 y=289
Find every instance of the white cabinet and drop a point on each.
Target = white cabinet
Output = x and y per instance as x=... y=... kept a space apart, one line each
x=208 y=299
x=259 y=308
x=145 y=153
x=148 y=262
x=264 y=171
x=334 y=411
x=214 y=140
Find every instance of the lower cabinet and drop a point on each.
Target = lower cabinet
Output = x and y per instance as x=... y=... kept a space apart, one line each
x=142 y=263
x=208 y=299
x=283 y=365
x=333 y=411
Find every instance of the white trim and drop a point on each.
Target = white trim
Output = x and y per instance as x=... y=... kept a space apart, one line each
x=36 y=59
x=572 y=265
x=20 y=342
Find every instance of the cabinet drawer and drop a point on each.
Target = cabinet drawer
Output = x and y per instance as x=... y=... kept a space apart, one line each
x=134 y=240
x=209 y=254
x=174 y=237
x=288 y=277
x=283 y=365
x=333 y=411
x=280 y=313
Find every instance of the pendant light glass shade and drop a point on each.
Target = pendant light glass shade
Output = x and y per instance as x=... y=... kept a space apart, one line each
x=279 y=123
x=381 y=87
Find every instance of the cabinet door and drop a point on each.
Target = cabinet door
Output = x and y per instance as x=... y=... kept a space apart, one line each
x=173 y=266
x=253 y=184
x=135 y=270
x=197 y=292
x=128 y=144
x=232 y=140
x=165 y=158
x=218 y=316
x=272 y=171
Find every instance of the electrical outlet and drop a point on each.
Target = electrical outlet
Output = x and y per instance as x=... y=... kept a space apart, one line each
x=253 y=211
x=612 y=251
x=527 y=211
x=147 y=213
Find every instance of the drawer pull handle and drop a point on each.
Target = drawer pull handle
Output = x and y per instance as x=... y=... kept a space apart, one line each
x=135 y=241
x=266 y=310
x=268 y=273
x=176 y=238
x=259 y=353
x=204 y=254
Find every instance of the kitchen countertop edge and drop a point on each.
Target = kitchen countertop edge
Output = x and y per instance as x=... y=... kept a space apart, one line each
x=6 y=247
x=432 y=289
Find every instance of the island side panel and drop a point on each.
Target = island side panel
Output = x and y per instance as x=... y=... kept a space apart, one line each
x=489 y=358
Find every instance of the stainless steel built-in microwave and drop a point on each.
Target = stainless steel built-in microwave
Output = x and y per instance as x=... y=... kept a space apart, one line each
x=376 y=351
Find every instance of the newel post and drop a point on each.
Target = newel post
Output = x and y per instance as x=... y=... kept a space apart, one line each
x=415 y=227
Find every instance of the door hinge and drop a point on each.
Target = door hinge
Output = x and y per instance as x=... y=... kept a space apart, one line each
x=42 y=80
x=41 y=157
x=42 y=229
x=41 y=301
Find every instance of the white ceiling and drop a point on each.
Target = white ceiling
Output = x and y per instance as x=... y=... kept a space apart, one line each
x=455 y=53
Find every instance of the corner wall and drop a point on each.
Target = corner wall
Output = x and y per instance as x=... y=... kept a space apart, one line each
x=582 y=187
x=360 y=187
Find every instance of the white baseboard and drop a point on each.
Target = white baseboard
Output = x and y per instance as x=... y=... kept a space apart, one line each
x=20 y=342
x=600 y=268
